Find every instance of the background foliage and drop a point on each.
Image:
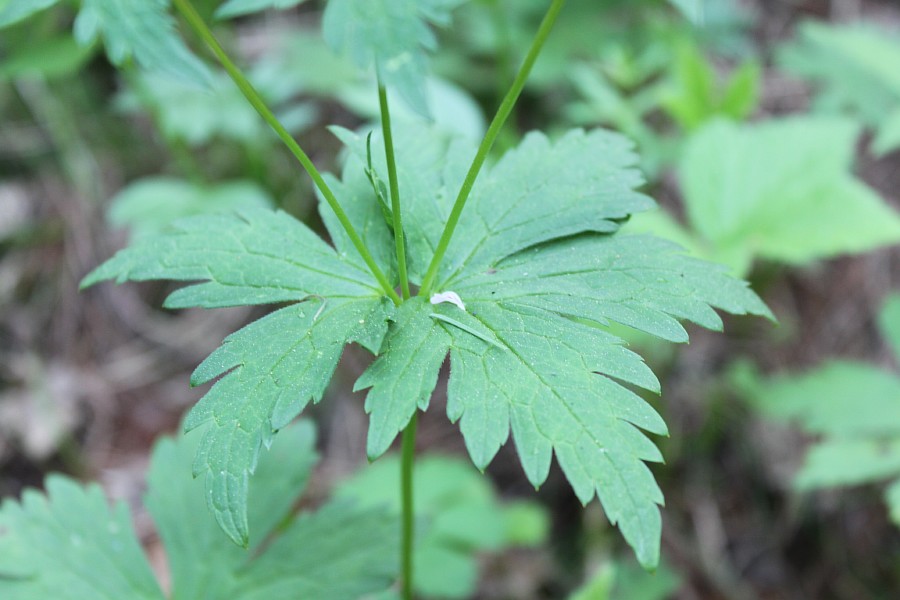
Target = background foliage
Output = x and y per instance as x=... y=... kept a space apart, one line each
x=768 y=130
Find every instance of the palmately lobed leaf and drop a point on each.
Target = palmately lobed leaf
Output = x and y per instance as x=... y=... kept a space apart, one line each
x=537 y=265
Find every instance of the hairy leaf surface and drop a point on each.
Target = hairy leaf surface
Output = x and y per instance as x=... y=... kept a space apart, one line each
x=392 y=35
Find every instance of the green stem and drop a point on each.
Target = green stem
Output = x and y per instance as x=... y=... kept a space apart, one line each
x=487 y=143
x=199 y=26
x=395 y=188
x=406 y=487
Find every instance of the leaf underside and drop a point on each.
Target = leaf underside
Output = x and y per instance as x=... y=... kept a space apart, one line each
x=538 y=265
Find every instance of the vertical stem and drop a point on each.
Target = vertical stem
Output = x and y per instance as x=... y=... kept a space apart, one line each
x=487 y=143
x=395 y=188
x=406 y=489
x=199 y=26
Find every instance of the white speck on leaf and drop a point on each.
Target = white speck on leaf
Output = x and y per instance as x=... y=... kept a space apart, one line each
x=451 y=297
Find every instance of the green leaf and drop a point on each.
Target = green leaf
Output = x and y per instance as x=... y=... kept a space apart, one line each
x=403 y=377
x=854 y=408
x=796 y=202
x=854 y=66
x=13 y=11
x=693 y=10
x=889 y=322
x=457 y=515
x=149 y=205
x=279 y=260
x=236 y=8
x=535 y=265
x=339 y=552
x=394 y=35
x=892 y=496
x=202 y=560
x=821 y=399
x=256 y=257
x=263 y=387
x=71 y=545
x=842 y=462
x=143 y=31
x=46 y=58
x=291 y=557
x=887 y=139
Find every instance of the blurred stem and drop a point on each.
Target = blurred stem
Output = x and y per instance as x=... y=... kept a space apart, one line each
x=408 y=524
x=395 y=188
x=60 y=124
x=487 y=143
x=201 y=29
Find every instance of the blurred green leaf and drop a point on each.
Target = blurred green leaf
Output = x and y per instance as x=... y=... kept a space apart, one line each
x=457 y=513
x=696 y=95
x=694 y=10
x=143 y=31
x=855 y=69
x=149 y=205
x=204 y=563
x=392 y=35
x=199 y=115
x=13 y=11
x=70 y=545
x=853 y=408
x=783 y=191
x=236 y=8
x=888 y=137
x=45 y=58
x=841 y=462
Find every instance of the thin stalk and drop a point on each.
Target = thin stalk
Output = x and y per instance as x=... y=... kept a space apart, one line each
x=395 y=188
x=200 y=28
x=487 y=143
x=406 y=488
